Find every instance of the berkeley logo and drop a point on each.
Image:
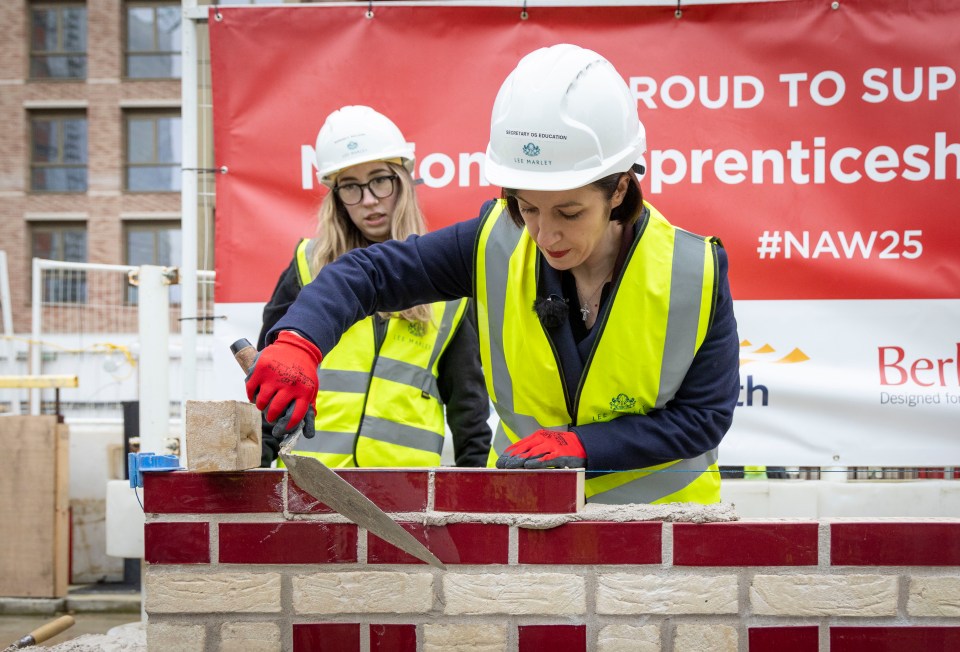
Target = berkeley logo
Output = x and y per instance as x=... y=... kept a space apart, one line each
x=416 y=328
x=531 y=150
x=352 y=145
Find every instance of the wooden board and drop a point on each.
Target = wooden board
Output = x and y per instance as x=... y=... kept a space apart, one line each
x=34 y=504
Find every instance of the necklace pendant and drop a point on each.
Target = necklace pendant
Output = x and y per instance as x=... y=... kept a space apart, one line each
x=585 y=312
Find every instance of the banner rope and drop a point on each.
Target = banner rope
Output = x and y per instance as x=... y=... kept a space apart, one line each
x=523 y=11
x=678 y=13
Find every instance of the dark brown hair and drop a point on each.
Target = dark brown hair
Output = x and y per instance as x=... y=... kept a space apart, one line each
x=626 y=213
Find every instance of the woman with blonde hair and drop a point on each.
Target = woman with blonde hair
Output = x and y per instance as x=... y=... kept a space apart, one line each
x=385 y=386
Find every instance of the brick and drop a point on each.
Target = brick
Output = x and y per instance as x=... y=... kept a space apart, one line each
x=390 y=490
x=556 y=638
x=192 y=592
x=250 y=637
x=856 y=596
x=555 y=491
x=456 y=543
x=895 y=544
x=176 y=543
x=705 y=638
x=745 y=544
x=934 y=596
x=222 y=436
x=302 y=542
x=629 y=638
x=592 y=542
x=893 y=639
x=630 y=593
x=393 y=638
x=363 y=592
x=183 y=638
x=549 y=594
x=242 y=492
x=326 y=637
x=784 y=639
x=464 y=638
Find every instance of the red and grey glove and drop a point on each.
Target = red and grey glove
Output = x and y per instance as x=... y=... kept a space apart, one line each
x=545 y=449
x=283 y=382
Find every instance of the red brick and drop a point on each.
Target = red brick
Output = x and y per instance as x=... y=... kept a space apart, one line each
x=326 y=637
x=506 y=492
x=393 y=638
x=288 y=543
x=456 y=543
x=243 y=492
x=745 y=544
x=555 y=638
x=895 y=544
x=176 y=543
x=391 y=491
x=784 y=639
x=590 y=542
x=894 y=639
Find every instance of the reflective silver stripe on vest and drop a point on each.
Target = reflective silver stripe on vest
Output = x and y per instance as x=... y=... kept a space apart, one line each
x=338 y=380
x=327 y=441
x=659 y=483
x=401 y=435
x=501 y=243
x=683 y=318
x=407 y=374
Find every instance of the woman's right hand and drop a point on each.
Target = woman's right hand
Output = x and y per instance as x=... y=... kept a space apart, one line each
x=283 y=382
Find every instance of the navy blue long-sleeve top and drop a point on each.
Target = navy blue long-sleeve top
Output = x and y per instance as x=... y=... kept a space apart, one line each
x=439 y=266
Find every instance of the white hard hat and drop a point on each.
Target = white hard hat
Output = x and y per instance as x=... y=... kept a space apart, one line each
x=562 y=119
x=357 y=134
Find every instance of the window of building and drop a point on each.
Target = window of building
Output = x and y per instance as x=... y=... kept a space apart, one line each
x=153 y=152
x=153 y=40
x=61 y=241
x=58 y=152
x=153 y=243
x=58 y=41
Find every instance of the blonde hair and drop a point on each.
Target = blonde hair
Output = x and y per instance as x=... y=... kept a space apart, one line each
x=337 y=234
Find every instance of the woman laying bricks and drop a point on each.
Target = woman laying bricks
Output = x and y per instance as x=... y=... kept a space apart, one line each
x=636 y=383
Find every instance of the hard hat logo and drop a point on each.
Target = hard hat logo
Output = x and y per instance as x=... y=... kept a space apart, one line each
x=577 y=108
x=352 y=145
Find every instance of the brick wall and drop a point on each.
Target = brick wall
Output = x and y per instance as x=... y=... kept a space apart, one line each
x=247 y=561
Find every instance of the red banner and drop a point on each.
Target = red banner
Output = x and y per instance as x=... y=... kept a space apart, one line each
x=822 y=146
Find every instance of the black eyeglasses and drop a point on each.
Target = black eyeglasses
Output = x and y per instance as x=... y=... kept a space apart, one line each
x=352 y=193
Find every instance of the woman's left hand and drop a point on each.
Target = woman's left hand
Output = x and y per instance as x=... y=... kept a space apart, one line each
x=545 y=449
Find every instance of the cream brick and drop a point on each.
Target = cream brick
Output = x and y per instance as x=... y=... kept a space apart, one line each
x=222 y=436
x=627 y=638
x=705 y=638
x=363 y=592
x=250 y=637
x=626 y=593
x=182 y=592
x=464 y=638
x=523 y=593
x=934 y=596
x=183 y=638
x=817 y=595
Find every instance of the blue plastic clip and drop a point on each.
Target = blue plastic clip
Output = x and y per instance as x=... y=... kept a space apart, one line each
x=137 y=463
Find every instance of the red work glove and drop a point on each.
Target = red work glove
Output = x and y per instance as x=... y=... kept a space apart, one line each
x=283 y=382
x=545 y=449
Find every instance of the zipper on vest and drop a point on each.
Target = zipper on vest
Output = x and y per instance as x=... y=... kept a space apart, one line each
x=379 y=335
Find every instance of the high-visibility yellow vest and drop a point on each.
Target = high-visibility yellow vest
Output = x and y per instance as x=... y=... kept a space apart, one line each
x=380 y=406
x=659 y=315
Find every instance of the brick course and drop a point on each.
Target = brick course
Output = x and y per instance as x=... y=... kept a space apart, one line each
x=231 y=552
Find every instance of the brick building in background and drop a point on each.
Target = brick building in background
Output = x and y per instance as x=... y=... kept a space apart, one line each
x=91 y=151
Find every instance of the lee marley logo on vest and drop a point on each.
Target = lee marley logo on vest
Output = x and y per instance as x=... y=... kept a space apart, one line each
x=417 y=329
x=622 y=403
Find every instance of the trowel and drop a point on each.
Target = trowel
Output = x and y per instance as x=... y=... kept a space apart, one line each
x=321 y=482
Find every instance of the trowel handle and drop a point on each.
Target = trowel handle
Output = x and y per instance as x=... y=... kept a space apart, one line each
x=44 y=632
x=244 y=353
